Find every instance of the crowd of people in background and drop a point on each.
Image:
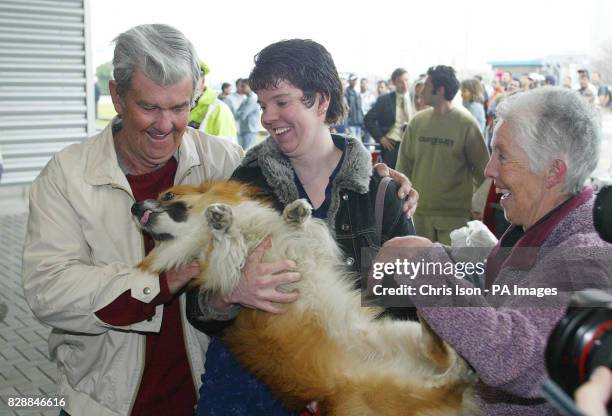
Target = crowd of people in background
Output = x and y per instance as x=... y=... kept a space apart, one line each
x=591 y=88
x=232 y=115
x=478 y=97
x=379 y=112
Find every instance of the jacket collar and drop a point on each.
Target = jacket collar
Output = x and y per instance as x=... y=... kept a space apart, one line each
x=102 y=166
x=523 y=254
x=354 y=174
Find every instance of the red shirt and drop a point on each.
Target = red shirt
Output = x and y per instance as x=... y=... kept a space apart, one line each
x=166 y=386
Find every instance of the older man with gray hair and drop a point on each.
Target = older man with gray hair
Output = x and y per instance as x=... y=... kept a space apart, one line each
x=119 y=335
x=546 y=144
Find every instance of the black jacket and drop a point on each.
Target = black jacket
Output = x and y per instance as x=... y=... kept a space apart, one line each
x=351 y=212
x=381 y=117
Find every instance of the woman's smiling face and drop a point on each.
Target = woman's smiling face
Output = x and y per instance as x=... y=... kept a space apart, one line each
x=293 y=125
x=522 y=190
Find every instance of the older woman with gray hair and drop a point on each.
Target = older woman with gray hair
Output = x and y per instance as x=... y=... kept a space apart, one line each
x=546 y=143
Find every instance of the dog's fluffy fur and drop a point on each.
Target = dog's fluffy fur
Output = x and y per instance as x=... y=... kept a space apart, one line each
x=326 y=347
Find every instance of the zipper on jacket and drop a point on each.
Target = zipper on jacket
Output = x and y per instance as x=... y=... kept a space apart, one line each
x=194 y=376
x=143 y=343
x=184 y=324
x=121 y=188
x=143 y=351
x=187 y=172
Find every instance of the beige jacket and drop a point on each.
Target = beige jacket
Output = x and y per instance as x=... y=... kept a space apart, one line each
x=79 y=256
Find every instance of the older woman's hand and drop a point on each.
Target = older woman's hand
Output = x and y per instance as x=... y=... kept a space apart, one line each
x=412 y=241
x=405 y=191
x=396 y=249
x=407 y=247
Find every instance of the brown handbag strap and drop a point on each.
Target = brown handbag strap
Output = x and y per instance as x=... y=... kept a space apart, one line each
x=379 y=207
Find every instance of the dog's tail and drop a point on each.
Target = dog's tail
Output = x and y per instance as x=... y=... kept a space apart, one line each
x=385 y=396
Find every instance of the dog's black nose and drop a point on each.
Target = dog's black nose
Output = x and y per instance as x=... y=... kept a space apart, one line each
x=137 y=209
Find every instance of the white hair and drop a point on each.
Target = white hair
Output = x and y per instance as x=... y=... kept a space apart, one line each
x=555 y=123
x=160 y=51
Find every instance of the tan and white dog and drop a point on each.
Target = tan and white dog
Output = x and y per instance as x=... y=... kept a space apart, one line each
x=326 y=347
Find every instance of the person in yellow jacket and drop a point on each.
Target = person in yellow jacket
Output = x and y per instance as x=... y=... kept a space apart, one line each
x=211 y=115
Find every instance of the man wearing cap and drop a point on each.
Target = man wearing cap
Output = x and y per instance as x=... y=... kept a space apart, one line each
x=354 y=118
x=210 y=114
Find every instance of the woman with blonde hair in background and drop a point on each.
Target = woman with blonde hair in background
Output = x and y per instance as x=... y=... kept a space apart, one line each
x=418 y=96
x=473 y=98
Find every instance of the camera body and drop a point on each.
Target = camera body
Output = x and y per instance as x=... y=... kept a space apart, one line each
x=602 y=213
x=582 y=340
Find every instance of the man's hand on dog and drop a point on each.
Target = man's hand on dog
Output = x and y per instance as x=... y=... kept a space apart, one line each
x=177 y=278
x=258 y=287
x=405 y=191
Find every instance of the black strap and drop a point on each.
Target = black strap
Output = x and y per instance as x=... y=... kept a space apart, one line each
x=379 y=206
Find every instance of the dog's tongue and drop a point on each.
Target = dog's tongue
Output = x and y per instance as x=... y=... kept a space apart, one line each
x=145 y=217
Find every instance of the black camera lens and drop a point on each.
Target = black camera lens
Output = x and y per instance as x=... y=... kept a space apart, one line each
x=602 y=213
x=581 y=341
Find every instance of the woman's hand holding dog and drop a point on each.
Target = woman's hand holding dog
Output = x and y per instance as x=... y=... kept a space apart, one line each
x=258 y=286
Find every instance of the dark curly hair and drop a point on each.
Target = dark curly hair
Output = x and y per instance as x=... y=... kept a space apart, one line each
x=307 y=65
x=444 y=76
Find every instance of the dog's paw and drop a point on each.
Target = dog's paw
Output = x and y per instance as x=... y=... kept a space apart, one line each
x=219 y=216
x=297 y=212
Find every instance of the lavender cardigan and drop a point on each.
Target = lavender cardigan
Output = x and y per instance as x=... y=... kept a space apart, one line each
x=505 y=344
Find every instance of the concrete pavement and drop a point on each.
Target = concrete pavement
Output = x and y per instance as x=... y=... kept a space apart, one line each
x=25 y=369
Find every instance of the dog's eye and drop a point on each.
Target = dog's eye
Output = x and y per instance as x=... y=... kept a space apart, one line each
x=168 y=196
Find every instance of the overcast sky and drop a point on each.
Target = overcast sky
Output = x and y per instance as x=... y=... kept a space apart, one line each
x=366 y=37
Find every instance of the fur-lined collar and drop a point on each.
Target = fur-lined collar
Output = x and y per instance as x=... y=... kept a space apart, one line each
x=354 y=174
